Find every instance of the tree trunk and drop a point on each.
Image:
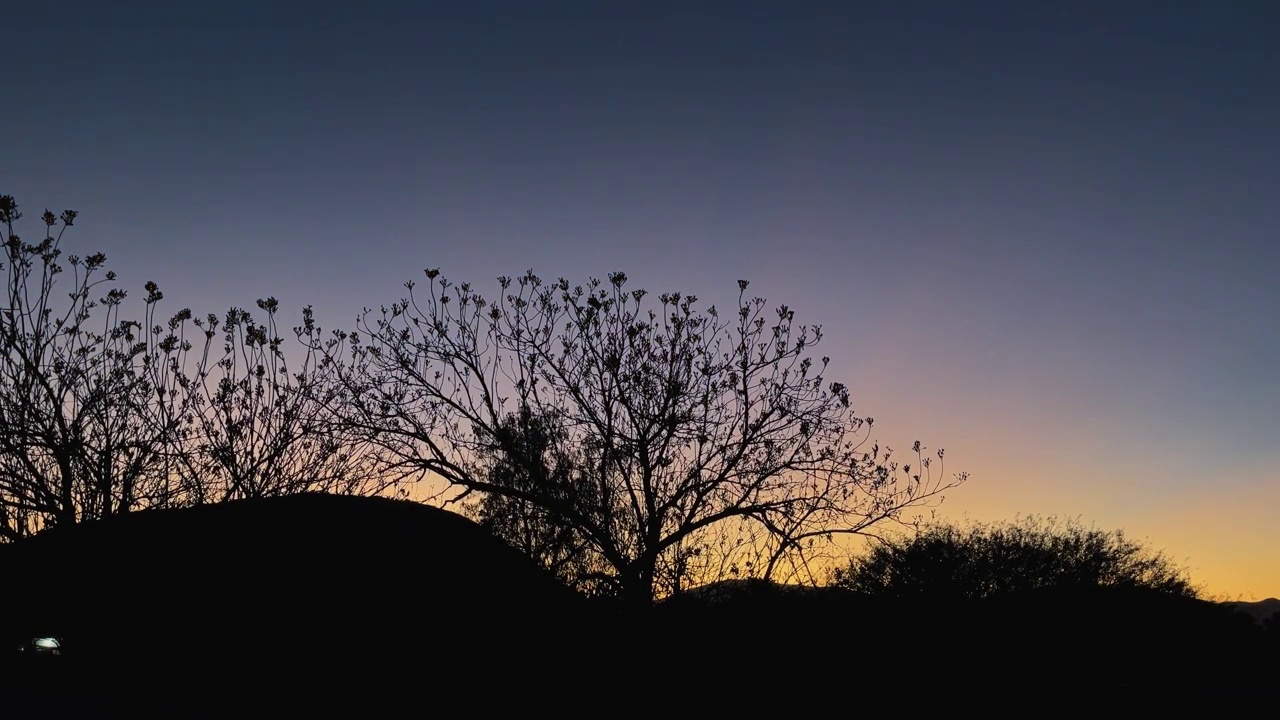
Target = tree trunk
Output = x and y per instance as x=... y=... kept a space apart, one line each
x=637 y=580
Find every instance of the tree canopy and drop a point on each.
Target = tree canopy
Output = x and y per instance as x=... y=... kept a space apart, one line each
x=639 y=444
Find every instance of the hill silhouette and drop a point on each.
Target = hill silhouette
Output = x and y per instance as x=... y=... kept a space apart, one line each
x=1088 y=643
x=1131 y=636
x=1259 y=610
x=296 y=597
x=318 y=602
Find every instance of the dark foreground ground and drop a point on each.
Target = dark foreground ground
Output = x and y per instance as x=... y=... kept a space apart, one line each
x=308 y=599
x=373 y=608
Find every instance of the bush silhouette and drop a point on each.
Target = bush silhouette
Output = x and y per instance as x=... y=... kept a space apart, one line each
x=985 y=560
x=1054 y=604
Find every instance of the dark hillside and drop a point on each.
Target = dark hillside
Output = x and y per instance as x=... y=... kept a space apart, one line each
x=281 y=597
x=1132 y=637
x=1085 y=644
x=1259 y=610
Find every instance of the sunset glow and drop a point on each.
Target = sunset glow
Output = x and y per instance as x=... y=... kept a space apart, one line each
x=1044 y=241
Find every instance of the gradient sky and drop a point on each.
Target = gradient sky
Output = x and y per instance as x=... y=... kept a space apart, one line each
x=1039 y=234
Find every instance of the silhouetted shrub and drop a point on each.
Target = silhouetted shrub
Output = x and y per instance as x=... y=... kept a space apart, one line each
x=982 y=560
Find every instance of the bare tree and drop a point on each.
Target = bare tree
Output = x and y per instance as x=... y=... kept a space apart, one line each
x=682 y=441
x=76 y=441
x=102 y=415
x=249 y=426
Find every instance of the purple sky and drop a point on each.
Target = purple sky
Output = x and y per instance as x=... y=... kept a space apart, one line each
x=1040 y=235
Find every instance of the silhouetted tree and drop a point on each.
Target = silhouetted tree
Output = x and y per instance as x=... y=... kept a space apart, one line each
x=101 y=415
x=984 y=560
x=250 y=427
x=535 y=461
x=75 y=440
x=676 y=442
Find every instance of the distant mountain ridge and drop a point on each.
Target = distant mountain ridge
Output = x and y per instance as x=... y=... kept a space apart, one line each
x=1259 y=610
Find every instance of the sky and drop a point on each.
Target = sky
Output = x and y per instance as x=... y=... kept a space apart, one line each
x=1040 y=235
